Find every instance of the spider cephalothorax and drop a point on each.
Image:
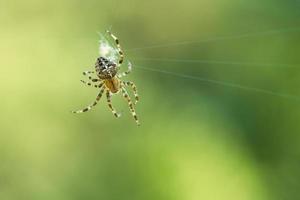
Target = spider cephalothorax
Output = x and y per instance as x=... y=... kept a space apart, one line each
x=109 y=81
x=105 y=68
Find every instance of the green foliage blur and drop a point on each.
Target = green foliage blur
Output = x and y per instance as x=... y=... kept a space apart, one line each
x=197 y=140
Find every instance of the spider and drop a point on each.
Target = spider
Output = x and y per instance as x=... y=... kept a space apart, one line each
x=110 y=81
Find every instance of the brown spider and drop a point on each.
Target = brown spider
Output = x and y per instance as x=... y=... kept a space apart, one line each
x=107 y=72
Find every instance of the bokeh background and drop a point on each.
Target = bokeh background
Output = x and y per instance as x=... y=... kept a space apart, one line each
x=198 y=140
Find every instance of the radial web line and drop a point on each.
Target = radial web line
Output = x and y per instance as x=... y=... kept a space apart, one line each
x=223 y=83
x=244 y=35
x=214 y=62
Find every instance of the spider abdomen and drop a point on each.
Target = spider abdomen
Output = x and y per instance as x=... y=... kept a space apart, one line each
x=112 y=84
x=105 y=68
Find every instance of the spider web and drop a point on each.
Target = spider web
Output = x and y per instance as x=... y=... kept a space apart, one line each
x=109 y=50
x=219 y=62
x=106 y=49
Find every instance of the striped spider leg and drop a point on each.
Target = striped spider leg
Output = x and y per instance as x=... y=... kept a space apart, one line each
x=120 y=51
x=133 y=87
x=130 y=104
x=90 y=84
x=95 y=102
x=108 y=96
x=88 y=73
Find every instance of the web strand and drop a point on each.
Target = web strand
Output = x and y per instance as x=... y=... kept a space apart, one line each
x=221 y=38
x=213 y=62
x=223 y=83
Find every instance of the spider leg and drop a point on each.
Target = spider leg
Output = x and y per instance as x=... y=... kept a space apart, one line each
x=118 y=46
x=88 y=73
x=127 y=72
x=90 y=84
x=108 y=96
x=126 y=96
x=92 y=105
x=133 y=86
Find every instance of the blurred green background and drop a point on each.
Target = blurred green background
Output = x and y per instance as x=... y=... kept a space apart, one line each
x=198 y=140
